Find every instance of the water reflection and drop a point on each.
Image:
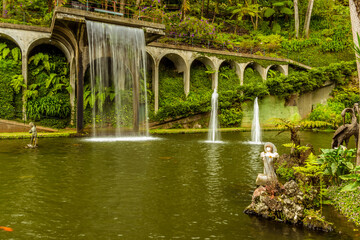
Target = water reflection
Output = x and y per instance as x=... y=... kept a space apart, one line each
x=176 y=187
x=213 y=182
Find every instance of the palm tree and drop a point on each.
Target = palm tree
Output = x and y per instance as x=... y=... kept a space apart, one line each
x=241 y=10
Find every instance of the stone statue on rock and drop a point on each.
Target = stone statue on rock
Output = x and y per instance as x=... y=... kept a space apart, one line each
x=33 y=131
x=345 y=131
x=268 y=157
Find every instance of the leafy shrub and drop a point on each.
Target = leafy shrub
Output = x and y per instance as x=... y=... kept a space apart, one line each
x=285 y=172
x=302 y=82
x=296 y=45
x=10 y=66
x=230 y=117
x=49 y=106
x=54 y=123
x=329 y=112
x=337 y=162
x=253 y=90
x=228 y=79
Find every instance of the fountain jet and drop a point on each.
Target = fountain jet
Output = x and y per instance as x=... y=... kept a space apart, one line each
x=255 y=128
x=214 y=135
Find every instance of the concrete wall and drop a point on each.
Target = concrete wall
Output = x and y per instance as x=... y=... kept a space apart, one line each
x=269 y=107
x=308 y=101
x=274 y=107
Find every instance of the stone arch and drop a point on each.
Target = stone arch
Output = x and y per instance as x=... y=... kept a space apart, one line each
x=208 y=63
x=48 y=41
x=177 y=59
x=181 y=66
x=11 y=39
x=284 y=69
x=257 y=67
x=233 y=65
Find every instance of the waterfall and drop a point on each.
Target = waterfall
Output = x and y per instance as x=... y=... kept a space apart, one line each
x=118 y=79
x=255 y=128
x=214 y=135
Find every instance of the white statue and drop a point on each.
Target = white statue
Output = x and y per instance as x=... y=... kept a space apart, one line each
x=268 y=156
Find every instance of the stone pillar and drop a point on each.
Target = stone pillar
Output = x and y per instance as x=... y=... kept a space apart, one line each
x=187 y=80
x=285 y=69
x=217 y=63
x=261 y=70
x=215 y=77
x=73 y=87
x=242 y=67
x=155 y=81
x=80 y=79
x=24 y=71
x=238 y=72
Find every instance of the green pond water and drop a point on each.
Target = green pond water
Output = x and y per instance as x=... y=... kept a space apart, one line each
x=175 y=187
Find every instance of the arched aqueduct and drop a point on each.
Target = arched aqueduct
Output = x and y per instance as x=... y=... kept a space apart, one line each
x=68 y=33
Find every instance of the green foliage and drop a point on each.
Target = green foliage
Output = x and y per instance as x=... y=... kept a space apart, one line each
x=337 y=162
x=10 y=70
x=35 y=12
x=228 y=79
x=353 y=185
x=49 y=106
x=285 y=172
x=302 y=82
x=54 y=123
x=252 y=76
x=253 y=90
x=312 y=170
x=17 y=83
x=296 y=45
x=49 y=86
x=343 y=97
x=347 y=202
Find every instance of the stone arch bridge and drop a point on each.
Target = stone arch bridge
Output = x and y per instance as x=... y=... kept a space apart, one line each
x=68 y=33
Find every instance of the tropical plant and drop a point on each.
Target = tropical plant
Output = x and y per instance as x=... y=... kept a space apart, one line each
x=337 y=162
x=353 y=185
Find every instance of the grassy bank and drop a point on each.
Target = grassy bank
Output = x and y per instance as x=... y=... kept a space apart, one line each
x=24 y=135
x=348 y=203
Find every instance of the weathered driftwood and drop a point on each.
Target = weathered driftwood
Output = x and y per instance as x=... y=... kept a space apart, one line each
x=344 y=132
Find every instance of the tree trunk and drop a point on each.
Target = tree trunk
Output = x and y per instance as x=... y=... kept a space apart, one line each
x=296 y=15
x=4 y=13
x=355 y=26
x=202 y=8
x=207 y=8
x=122 y=6
x=307 y=18
x=216 y=10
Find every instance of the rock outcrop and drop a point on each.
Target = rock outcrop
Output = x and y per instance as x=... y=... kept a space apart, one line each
x=282 y=203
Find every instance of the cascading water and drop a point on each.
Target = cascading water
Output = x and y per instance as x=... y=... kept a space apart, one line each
x=118 y=79
x=214 y=135
x=255 y=128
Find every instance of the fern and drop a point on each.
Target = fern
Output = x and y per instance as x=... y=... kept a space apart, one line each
x=16 y=54
x=5 y=52
x=315 y=124
x=17 y=83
